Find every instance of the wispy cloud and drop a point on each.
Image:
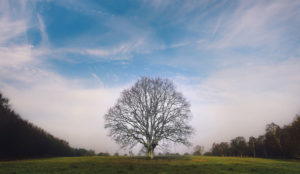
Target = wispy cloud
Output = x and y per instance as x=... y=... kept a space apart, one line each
x=182 y=44
x=15 y=55
x=47 y=99
x=256 y=24
x=11 y=29
x=123 y=51
x=42 y=28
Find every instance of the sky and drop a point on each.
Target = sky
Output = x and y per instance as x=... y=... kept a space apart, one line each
x=63 y=64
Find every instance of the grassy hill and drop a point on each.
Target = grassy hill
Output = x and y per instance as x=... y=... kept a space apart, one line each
x=201 y=164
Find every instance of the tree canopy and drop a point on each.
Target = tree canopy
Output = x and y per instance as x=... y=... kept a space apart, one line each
x=148 y=113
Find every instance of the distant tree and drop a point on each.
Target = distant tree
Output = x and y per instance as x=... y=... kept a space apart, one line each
x=276 y=142
x=186 y=154
x=290 y=139
x=83 y=152
x=239 y=146
x=103 y=154
x=198 y=150
x=288 y=142
x=91 y=153
x=295 y=137
x=4 y=103
x=260 y=147
x=273 y=141
x=252 y=146
x=116 y=154
x=21 y=139
x=224 y=149
x=148 y=113
x=209 y=153
x=215 y=149
x=221 y=149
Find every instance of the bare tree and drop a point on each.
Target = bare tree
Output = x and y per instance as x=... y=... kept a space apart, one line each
x=149 y=113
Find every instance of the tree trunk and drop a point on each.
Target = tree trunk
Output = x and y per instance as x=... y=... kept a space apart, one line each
x=150 y=153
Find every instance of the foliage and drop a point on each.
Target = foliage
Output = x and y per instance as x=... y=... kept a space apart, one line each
x=222 y=149
x=103 y=154
x=21 y=139
x=239 y=146
x=275 y=143
x=83 y=152
x=251 y=145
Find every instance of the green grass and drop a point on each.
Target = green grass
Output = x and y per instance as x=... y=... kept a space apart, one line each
x=91 y=165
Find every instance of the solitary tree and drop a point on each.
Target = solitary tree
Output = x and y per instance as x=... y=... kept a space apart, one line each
x=150 y=112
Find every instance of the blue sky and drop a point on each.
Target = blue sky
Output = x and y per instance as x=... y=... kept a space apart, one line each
x=138 y=38
x=65 y=62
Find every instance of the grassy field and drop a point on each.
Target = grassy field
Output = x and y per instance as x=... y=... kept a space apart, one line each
x=91 y=165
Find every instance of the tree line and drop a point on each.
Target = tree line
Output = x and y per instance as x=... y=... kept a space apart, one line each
x=277 y=142
x=21 y=139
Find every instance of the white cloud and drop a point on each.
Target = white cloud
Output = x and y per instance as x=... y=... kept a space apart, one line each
x=181 y=44
x=255 y=24
x=42 y=28
x=98 y=79
x=234 y=101
x=70 y=112
x=122 y=51
x=66 y=108
x=241 y=100
x=11 y=29
x=15 y=55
